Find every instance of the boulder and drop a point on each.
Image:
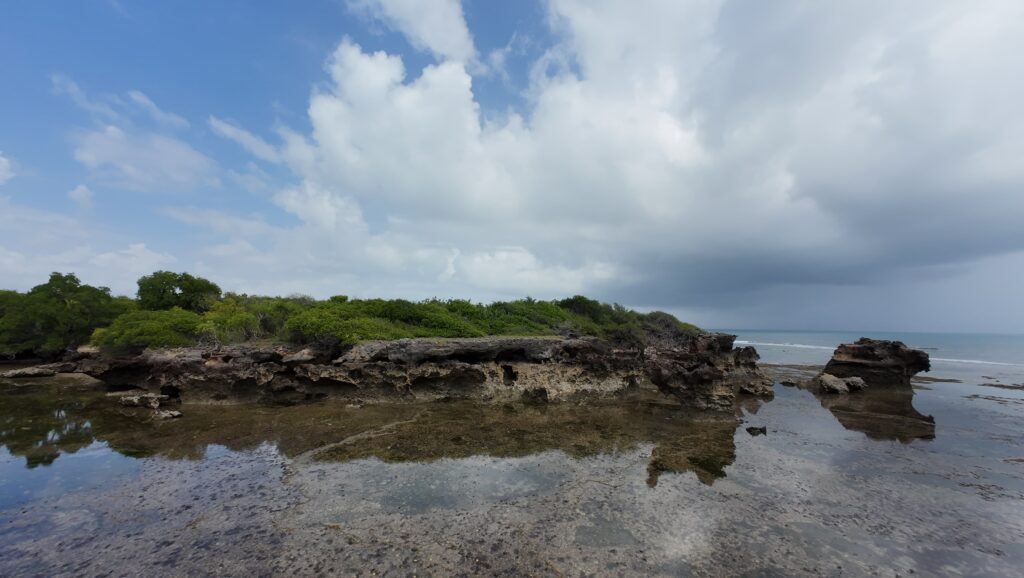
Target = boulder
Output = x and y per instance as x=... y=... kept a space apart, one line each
x=29 y=372
x=828 y=383
x=879 y=363
x=854 y=383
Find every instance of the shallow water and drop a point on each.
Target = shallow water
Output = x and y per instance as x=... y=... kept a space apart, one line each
x=838 y=486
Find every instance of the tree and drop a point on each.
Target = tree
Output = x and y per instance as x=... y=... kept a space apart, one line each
x=164 y=289
x=56 y=315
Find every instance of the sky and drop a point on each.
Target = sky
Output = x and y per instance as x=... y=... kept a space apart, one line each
x=742 y=164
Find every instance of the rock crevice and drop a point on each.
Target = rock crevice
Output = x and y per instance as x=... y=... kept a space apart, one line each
x=702 y=371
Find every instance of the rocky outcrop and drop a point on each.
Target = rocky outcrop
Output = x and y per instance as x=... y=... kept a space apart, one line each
x=702 y=371
x=879 y=363
x=707 y=372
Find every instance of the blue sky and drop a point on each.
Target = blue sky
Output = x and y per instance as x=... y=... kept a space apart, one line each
x=747 y=165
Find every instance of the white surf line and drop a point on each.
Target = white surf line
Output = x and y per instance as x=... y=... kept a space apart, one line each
x=945 y=359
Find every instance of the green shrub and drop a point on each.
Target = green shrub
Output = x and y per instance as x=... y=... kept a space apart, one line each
x=54 y=316
x=135 y=331
x=229 y=321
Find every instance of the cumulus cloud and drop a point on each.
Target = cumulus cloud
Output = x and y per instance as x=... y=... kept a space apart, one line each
x=6 y=169
x=34 y=243
x=671 y=154
x=435 y=26
x=82 y=196
x=143 y=162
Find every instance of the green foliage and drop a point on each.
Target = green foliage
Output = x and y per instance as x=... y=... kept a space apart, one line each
x=344 y=321
x=138 y=330
x=54 y=316
x=351 y=321
x=165 y=289
x=230 y=321
x=177 y=309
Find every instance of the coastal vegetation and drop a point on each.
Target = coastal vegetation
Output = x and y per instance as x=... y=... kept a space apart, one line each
x=178 y=309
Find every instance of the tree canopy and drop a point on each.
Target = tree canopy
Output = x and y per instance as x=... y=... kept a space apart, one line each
x=179 y=309
x=165 y=290
x=56 y=315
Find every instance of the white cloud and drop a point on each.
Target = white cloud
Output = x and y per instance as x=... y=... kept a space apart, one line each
x=160 y=116
x=82 y=196
x=6 y=169
x=435 y=26
x=64 y=85
x=34 y=243
x=143 y=162
x=669 y=153
x=132 y=262
x=256 y=146
x=516 y=272
x=219 y=221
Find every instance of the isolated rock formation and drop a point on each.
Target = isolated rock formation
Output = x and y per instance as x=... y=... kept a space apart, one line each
x=703 y=371
x=879 y=363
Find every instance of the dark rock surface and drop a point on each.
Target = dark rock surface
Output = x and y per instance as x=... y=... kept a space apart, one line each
x=879 y=363
x=707 y=372
x=703 y=371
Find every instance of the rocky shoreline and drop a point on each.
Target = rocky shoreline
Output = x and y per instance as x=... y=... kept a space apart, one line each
x=702 y=371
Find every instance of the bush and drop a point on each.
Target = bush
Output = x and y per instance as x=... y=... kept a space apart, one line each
x=135 y=331
x=229 y=321
x=54 y=316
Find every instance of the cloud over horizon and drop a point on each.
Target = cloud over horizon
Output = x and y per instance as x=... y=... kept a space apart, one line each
x=722 y=159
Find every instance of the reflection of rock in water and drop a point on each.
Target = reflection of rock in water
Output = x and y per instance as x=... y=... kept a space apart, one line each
x=881 y=414
x=682 y=442
x=42 y=421
x=705 y=449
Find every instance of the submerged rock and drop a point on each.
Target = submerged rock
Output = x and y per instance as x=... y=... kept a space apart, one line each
x=879 y=363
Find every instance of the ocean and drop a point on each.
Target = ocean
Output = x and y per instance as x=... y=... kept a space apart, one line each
x=970 y=357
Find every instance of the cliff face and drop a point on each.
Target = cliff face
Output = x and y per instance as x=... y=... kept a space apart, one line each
x=702 y=371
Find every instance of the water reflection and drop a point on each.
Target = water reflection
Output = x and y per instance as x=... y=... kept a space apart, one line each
x=40 y=425
x=881 y=414
x=41 y=421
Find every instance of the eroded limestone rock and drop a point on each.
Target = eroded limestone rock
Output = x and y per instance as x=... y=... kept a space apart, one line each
x=879 y=363
x=702 y=371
